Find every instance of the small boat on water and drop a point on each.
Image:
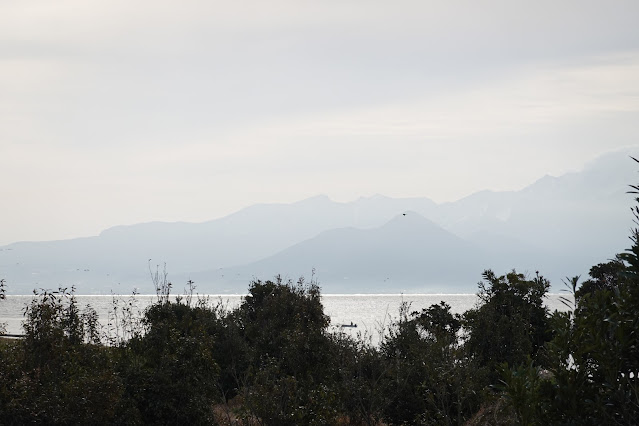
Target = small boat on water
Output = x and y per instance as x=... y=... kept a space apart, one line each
x=348 y=325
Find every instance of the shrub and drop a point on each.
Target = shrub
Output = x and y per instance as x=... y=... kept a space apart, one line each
x=52 y=375
x=169 y=369
x=511 y=322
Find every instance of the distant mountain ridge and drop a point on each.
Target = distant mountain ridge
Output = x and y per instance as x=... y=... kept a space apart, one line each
x=375 y=259
x=557 y=225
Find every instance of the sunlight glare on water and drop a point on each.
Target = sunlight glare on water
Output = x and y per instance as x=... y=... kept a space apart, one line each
x=370 y=312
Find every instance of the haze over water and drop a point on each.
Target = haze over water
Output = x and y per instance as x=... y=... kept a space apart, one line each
x=371 y=312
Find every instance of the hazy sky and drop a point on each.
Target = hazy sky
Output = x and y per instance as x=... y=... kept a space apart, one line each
x=118 y=112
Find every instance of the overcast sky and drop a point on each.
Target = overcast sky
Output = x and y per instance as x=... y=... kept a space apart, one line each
x=119 y=112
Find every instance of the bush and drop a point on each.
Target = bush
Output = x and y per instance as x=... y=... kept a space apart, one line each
x=510 y=324
x=169 y=370
x=55 y=375
x=429 y=380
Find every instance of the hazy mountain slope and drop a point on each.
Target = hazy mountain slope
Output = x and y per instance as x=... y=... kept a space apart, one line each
x=558 y=225
x=408 y=253
x=121 y=254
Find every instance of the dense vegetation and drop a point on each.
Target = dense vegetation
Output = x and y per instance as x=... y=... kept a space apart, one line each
x=272 y=360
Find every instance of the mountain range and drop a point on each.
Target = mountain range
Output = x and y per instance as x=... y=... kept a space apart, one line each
x=559 y=226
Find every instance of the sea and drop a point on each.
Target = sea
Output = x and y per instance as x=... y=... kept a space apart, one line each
x=365 y=316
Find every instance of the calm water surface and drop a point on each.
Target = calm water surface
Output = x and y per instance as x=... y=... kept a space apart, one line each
x=371 y=312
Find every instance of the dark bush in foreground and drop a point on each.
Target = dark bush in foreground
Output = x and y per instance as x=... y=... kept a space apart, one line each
x=57 y=374
x=508 y=360
x=169 y=370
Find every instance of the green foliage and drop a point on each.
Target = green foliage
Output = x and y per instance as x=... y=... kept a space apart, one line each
x=428 y=376
x=526 y=388
x=284 y=321
x=169 y=370
x=360 y=372
x=273 y=353
x=438 y=324
x=603 y=276
x=592 y=364
x=287 y=353
x=593 y=358
x=55 y=375
x=511 y=323
x=278 y=398
x=596 y=356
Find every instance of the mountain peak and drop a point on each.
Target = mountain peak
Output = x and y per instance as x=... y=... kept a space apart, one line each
x=320 y=198
x=410 y=221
